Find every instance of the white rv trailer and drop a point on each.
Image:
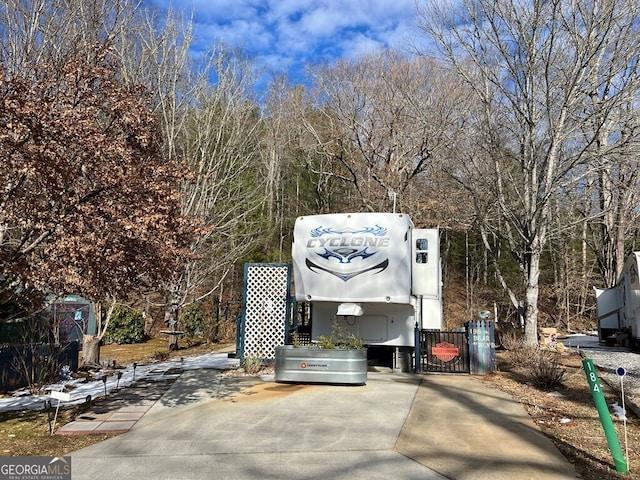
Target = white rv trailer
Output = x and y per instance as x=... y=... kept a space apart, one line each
x=619 y=307
x=373 y=273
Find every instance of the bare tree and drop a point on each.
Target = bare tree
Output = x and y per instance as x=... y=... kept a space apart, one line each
x=154 y=50
x=617 y=177
x=48 y=32
x=299 y=177
x=393 y=114
x=532 y=67
x=315 y=147
x=212 y=127
x=220 y=146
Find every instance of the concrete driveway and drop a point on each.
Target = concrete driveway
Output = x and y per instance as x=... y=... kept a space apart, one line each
x=264 y=430
x=397 y=426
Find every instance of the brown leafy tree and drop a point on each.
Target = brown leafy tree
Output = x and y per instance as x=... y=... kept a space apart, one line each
x=88 y=204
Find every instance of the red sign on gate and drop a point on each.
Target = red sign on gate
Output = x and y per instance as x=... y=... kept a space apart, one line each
x=445 y=351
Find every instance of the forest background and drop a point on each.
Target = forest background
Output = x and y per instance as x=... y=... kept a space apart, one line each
x=133 y=172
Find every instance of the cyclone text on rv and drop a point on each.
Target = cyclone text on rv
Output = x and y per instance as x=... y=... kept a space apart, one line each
x=373 y=273
x=619 y=307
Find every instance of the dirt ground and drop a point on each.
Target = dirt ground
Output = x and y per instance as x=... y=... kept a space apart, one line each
x=566 y=414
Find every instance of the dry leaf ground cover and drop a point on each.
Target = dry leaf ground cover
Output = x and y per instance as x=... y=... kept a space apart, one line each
x=566 y=414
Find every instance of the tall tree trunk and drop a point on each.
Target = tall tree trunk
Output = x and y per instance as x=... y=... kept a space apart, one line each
x=532 y=290
x=91 y=342
x=90 y=350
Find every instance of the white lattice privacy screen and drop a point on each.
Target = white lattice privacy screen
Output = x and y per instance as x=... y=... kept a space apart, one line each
x=266 y=308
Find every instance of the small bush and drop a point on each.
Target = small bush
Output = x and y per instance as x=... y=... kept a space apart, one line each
x=161 y=356
x=126 y=326
x=523 y=357
x=252 y=365
x=546 y=372
x=223 y=331
x=510 y=338
x=538 y=366
x=339 y=338
x=192 y=321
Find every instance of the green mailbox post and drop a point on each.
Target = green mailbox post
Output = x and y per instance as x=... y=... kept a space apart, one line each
x=605 y=416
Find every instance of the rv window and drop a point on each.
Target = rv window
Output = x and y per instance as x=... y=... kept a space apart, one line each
x=422 y=250
x=422 y=244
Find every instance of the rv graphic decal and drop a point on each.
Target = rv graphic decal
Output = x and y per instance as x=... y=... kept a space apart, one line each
x=378 y=231
x=347 y=276
x=347 y=248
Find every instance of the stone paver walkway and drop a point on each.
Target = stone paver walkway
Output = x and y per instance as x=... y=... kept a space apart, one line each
x=119 y=412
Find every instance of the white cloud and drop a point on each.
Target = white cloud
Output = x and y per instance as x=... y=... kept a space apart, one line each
x=281 y=33
x=359 y=46
x=287 y=10
x=216 y=9
x=324 y=22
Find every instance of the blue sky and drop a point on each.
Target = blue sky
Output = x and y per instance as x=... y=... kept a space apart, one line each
x=284 y=35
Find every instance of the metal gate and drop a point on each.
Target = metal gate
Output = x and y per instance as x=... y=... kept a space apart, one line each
x=266 y=310
x=471 y=350
x=446 y=352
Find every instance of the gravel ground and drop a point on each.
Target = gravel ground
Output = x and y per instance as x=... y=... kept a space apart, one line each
x=608 y=360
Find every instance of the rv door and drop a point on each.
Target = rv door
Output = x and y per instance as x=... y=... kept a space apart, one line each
x=608 y=310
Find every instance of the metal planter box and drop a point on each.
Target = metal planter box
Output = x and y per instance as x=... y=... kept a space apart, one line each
x=316 y=365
